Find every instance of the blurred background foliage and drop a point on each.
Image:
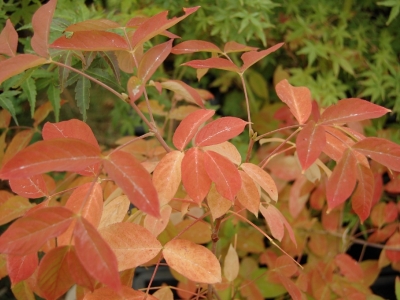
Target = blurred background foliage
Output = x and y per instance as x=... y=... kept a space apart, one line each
x=338 y=49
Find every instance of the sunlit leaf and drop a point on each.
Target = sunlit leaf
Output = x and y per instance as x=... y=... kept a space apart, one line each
x=114 y=211
x=41 y=22
x=342 y=181
x=297 y=98
x=164 y=293
x=54 y=278
x=196 y=232
x=231 y=264
x=17 y=64
x=250 y=58
x=215 y=63
x=134 y=180
x=132 y=244
x=28 y=234
x=224 y=173
x=351 y=110
x=226 y=149
x=249 y=193
x=52 y=155
x=219 y=131
x=95 y=254
x=21 y=267
x=262 y=178
x=8 y=40
x=189 y=126
x=195 y=46
x=195 y=262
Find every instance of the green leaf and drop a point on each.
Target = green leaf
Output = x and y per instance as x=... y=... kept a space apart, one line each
x=6 y=103
x=63 y=73
x=29 y=88
x=82 y=95
x=54 y=97
x=397 y=288
x=395 y=5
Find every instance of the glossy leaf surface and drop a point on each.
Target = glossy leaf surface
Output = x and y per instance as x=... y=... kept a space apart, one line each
x=28 y=234
x=219 y=131
x=195 y=262
x=134 y=180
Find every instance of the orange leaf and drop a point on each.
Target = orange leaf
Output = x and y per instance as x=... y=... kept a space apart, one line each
x=184 y=90
x=95 y=254
x=349 y=267
x=195 y=262
x=164 y=293
x=30 y=187
x=126 y=293
x=381 y=150
x=78 y=273
x=8 y=40
x=53 y=155
x=250 y=58
x=297 y=98
x=156 y=25
x=152 y=59
x=224 y=173
x=189 y=126
x=289 y=285
x=215 y=63
x=226 y=149
x=41 y=22
x=219 y=131
x=5 y=117
x=195 y=46
x=196 y=232
x=309 y=144
x=218 y=205
x=73 y=128
x=20 y=141
x=54 y=278
x=157 y=225
x=89 y=25
x=91 y=41
x=194 y=176
x=17 y=64
x=393 y=242
x=276 y=223
x=231 y=264
x=299 y=195
x=167 y=176
x=12 y=208
x=249 y=194
x=132 y=244
x=342 y=181
x=21 y=267
x=114 y=211
x=232 y=46
x=285 y=266
x=28 y=234
x=351 y=110
x=262 y=178
x=134 y=180
x=361 y=201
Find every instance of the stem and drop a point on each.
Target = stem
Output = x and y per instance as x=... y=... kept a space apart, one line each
x=277 y=130
x=132 y=141
x=214 y=238
x=247 y=103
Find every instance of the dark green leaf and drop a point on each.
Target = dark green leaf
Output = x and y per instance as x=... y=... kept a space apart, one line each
x=6 y=102
x=82 y=95
x=54 y=97
x=29 y=88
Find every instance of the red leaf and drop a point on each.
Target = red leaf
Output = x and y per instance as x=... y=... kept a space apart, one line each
x=90 y=25
x=21 y=267
x=309 y=144
x=73 y=128
x=349 y=267
x=250 y=58
x=78 y=272
x=383 y=151
x=19 y=142
x=91 y=41
x=8 y=40
x=29 y=187
x=224 y=173
x=214 y=62
x=126 y=293
x=156 y=25
x=185 y=91
x=18 y=64
x=132 y=244
x=28 y=234
x=53 y=155
x=297 y=98
x=342 y=181
x=152 y=59
x=195 y=46
x=195 y=262
x=232 y=46
x=219 y=131
x=194 y=175
x=134 y=180
x=95 y=254
x=135 y=88
x=189 y=126
x=54 y=278
x=262 y=178
x=351 y=110
x=361 y=201
x=41 y=22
